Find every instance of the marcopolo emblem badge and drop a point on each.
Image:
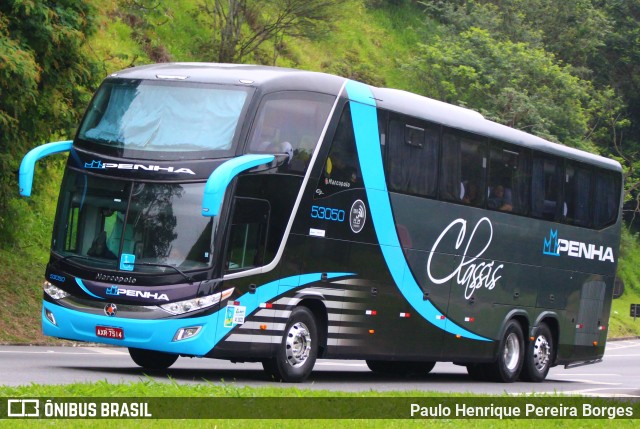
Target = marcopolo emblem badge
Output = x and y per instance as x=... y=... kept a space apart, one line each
x=110 y=310
x=357 y=216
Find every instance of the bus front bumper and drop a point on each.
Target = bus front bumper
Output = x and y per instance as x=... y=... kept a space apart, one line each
x=148 y=334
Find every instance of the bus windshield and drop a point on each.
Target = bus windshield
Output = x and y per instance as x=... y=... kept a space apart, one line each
x=158 y=225
x=150 y=119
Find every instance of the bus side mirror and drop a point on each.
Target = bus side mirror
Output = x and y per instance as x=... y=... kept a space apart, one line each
x=25 y=178
x=223 y=175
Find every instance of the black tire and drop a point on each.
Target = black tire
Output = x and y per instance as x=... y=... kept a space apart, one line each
x=506 y=369
x=400 y=367
x=152 y=360
x=539 y=355
x=296 y=355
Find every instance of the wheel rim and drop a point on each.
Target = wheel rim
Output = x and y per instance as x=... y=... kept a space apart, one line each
x=298 y=344
x=541 y=353
x=511 y=356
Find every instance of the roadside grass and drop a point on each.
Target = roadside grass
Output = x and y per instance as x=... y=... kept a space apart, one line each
x=152 y=389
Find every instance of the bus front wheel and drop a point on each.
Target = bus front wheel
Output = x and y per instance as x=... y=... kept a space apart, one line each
x=296 y=355
x=152 y=360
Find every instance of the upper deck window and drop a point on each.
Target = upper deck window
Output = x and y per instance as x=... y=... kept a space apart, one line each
x=290 y=122
x=150 y=119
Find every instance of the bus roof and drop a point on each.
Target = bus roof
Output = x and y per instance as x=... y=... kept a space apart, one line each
x=270 y=79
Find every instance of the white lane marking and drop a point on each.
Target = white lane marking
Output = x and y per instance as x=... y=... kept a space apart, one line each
x=585 y=381
x=82 y=351
x=340 y=364
x=585 y=375
x=107 y=351
x=633 y=355
x=594 y=392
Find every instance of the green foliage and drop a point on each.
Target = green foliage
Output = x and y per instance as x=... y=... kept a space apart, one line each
x=46 y=80
x=241 y=27
x=512 y=83
x=598 y=40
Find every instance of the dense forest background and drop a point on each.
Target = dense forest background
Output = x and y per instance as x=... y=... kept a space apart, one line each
x=568 y=71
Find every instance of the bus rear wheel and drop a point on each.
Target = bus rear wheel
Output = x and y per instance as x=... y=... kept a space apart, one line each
x=400 y=368
x=152 y=360
x=507 y=367
x=296 y=355
x=539 y=355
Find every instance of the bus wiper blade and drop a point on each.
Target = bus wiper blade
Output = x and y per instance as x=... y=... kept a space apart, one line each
x=85 y=258
x=173 y=267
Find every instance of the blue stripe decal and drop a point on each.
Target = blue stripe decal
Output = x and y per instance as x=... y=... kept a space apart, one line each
x=84 y=288
x=157 y=334
x=365 y=126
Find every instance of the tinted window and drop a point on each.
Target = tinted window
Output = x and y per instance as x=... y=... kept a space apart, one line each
x=341 y=170
x=578 y=195
x=291 y=122
x=412 y=157
x=248 y=234
x=545 y=188
x=606 y=199
x=464 y=163
x=509 y=178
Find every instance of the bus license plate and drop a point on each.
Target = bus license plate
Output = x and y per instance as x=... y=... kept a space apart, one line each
x=108 y=332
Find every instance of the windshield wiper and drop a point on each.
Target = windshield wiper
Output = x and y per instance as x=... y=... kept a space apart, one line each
x=148 y=264
x=84 y=258
x=173 y=267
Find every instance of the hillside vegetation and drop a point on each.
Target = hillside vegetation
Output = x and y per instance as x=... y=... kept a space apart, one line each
x=565 y=74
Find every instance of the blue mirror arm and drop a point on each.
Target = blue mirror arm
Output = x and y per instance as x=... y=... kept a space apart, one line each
x=25 y=178
x=223 y=175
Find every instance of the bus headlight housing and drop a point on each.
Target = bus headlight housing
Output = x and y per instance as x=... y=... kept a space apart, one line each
x=54 y=291
x=181 y=307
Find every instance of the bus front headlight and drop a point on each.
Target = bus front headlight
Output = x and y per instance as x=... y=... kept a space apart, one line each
x=202 y=302
x=54 y=291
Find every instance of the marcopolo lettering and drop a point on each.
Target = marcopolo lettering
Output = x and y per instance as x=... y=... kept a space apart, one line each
x=110 y=165
x=555 y=246
x=115 y=279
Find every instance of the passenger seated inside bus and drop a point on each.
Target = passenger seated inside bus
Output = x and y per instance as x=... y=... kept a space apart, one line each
x=500 y=199
x=99 y=247
x=471 y=194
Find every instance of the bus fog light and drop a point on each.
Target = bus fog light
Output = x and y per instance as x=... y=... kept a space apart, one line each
x=199 y=303
x=50 y=317
x=185 y=333
x=54 y=291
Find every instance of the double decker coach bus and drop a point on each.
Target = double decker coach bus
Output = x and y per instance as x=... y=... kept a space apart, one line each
x=260 y=214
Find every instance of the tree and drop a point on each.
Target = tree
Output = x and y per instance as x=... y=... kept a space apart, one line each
x=512 y=83
x=241 y=27
x=46 y=79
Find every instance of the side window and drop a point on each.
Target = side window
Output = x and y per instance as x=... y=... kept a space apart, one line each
x=545 y=188
x=248 y=234
x=341 y=170
x=509 y=178
x=290 y=122
x=412 y=157
x=464 y=162
x=607 y=198
x=577 y=194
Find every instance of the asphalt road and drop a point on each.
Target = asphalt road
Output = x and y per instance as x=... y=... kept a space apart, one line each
x=618 y=375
